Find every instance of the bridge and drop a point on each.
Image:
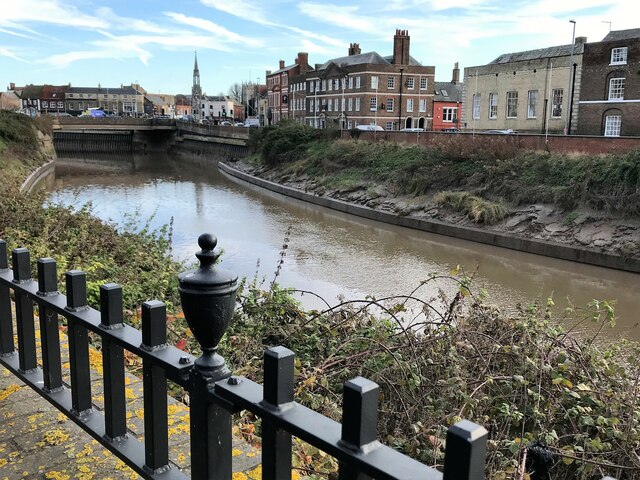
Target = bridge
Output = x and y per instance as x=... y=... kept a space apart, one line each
x=118 y=134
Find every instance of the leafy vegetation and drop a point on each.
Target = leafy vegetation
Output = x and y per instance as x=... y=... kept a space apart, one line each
x=136 y=258
x=490 y=168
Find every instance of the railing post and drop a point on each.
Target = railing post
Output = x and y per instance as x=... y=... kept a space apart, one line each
x=7 y=347
x=76 y=282
x=49 y=333
x=208 y=300
x=156 y=439
x=359 y=421
x=465 y=452
x=278 y=395
x=115 y=408
x=24 y=312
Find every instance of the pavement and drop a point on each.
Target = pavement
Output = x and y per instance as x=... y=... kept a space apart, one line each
x=39 y=442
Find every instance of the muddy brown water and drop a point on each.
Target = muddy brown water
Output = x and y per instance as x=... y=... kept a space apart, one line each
x=334 y=255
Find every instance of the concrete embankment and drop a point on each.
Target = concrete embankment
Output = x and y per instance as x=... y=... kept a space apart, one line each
x=499 y=239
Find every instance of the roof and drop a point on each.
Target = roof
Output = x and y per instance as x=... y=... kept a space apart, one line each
x=558 y=51
x=285 y=69
x=116 y=91
x=362 y=58
x=412 y=61
x=447 y=92
x=622 y=35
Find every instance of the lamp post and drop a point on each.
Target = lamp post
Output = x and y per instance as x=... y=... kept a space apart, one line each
x=400 y=106
x=569 y=89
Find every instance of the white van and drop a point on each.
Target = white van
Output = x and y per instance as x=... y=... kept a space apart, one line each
x=370 y=128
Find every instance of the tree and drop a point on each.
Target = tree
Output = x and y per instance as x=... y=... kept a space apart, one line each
x=235 y=92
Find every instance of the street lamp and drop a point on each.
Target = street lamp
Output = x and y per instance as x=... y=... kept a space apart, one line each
x=569 y=90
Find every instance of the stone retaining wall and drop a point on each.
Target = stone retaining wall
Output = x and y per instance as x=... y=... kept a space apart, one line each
x=498 y=239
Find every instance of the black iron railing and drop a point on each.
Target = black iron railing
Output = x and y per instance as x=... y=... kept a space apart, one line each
x=208 y=298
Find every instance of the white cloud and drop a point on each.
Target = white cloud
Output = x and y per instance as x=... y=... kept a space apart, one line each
x=225 y=36
x=251 y=11
x=48 y=11
x=7 y=52
x=341 y=16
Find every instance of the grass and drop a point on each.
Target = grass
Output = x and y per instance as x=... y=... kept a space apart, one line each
x=490 y=168
x=476 y=208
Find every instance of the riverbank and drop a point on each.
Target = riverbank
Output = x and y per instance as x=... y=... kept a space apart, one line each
x=581 y=208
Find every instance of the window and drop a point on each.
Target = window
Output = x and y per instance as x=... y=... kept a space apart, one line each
x=358 y=82
x=449 y=114
x=373 y=103
x=324 y=85
x=342 y=104
x=423 y=83
x=618 y=56
x=71 y=95
x=612 y=125
x=374 y=82
x=357 y=107
x=476 y=106
x=493 y=105
x=556 y=105
x=532 y=104
x=329 y=85
x=390 y=82
x=389 y=104
x=350 y=82
x=60 y=104
x=330 y=105
x=389 y=126
x=423 y=105
x=616 y=88
x=350 y=103
x=410 y=83
x=512 y=104
x=409 y=104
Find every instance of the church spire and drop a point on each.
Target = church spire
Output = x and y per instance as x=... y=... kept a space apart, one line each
x=196 y=91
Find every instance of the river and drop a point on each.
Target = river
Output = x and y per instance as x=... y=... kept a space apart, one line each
x=332 y=254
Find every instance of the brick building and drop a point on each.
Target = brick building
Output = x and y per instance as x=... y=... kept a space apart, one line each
x=448 y=103
x=610 y=89
x=393 y=92
x=278 y=90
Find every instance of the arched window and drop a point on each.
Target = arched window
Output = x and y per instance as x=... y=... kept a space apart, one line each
x=612 y=122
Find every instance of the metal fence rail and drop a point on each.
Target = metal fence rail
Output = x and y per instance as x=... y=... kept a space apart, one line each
x=208 y=299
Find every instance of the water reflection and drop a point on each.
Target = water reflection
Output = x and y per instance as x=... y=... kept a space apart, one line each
x=329 y=252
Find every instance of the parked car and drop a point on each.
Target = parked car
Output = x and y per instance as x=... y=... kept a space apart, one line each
x=252 y=122
x=226 y=124
x=415 y=129
x=370 y=128
x=451 y=130
x=508 y=131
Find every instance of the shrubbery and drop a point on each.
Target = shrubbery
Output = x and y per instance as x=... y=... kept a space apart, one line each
x=493 y=169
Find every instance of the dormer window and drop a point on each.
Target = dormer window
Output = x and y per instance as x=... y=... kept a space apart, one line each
x=619 y=56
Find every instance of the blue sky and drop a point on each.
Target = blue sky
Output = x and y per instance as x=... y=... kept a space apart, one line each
x=86 y=42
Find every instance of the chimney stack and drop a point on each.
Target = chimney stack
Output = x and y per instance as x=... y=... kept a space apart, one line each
x=303 y=62
x=580 y=40
x=456 y=74
x=281 y=64
x=12 y=86
x=401 y=47
x=354 y=49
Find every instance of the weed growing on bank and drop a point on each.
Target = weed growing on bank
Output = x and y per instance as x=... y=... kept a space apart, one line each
x=495 y=169
x=477 y=209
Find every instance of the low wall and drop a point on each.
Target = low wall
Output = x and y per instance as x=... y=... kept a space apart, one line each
x=553 y=143
x=40 y=174
x=498 y=239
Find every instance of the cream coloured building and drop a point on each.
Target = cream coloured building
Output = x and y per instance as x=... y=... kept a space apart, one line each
x=525 y=91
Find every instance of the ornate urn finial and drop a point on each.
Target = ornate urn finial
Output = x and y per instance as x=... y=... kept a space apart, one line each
x=208 y=296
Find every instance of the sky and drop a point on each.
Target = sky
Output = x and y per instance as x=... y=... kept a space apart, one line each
x=152 y=42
